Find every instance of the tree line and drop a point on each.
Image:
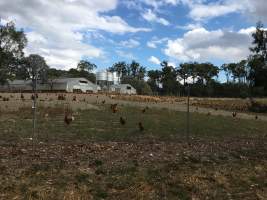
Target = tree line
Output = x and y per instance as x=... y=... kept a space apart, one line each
x=245 y=78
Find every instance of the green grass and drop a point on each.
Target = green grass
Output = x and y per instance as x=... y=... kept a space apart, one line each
x=104 y=125
x=98 y=158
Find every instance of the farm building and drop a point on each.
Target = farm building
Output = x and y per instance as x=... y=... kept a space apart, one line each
x=122 y=89
x=17 y=86
x=73 y=85
x=54 y=85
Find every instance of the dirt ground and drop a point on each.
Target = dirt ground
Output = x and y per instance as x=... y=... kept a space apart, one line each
x=229 y=169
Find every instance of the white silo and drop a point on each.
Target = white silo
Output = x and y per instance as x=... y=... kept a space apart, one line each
x=101 y=78
x=115 y=78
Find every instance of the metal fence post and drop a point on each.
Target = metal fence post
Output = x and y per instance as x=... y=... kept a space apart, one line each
x=188 y=114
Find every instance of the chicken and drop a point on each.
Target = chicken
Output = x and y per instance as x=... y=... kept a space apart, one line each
x=141 y=127
x=36 y=96
x=122 y=121
x=22 y=96
x=256 y=117
x=61 y=97
x=144 y=110
x=114 y=108
x=68 y=118
x=208 y=114
x=74 y=98
x=234 y=114
x=103 y=102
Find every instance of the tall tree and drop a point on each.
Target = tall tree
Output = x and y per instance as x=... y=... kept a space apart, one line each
x=12 y=43
x=184 y=71
x=120 y=68
x=141 y=73
x=259 y=41
x=169 y=79
x=134 y=67
x=85 y=65
x=227 y=72
x=154 y=79
x=257 y=62
x=36 y=67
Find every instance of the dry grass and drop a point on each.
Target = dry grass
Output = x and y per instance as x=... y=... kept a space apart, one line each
x=96 y=157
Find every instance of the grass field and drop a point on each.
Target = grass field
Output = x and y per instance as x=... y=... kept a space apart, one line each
x=96 y=157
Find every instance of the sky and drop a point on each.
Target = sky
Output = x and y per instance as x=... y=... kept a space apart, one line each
x=148 y=31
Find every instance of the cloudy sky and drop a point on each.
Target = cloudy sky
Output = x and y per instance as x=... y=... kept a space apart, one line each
x=149 y=31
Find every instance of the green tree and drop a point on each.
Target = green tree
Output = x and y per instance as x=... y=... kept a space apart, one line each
x=154 y=79
x=257 y=62
x=12 y=43
x=35 y=67
x=184 y=71
x=85 y=65
x=169 y=79
x=120 y=68
x=227 y=71
x=259 y=41
x=134 y=68
x=74 y=73
x=206 y=72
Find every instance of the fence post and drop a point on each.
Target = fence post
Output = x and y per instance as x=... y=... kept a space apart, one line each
x=188 y=114
x=34 y=113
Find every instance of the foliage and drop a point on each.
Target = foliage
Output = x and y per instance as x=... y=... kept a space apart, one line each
x=154 y=80
x=85 y=65
x=168 y=79
x=74 y=73
x=34 y=66
x=141 y=86
x=12 y=43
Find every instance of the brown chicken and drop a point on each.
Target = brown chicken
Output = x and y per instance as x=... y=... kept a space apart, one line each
x=122 y=121
x=141 y=127
x=74 y=98
x=68 y=119
x=114 y=108
x=234 y=114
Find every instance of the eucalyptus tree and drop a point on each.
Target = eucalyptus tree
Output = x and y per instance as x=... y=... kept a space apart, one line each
x=12 y=43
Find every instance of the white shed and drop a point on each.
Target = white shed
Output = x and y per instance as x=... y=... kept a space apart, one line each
x=122 y=89
x=73 y=85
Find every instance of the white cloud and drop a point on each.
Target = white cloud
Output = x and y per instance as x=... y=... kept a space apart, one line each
x=211 y=10
x=131 y=43
x=154 y=60
x=152 y=17
x=201 y=10
x=203 y=45
x=155 y=42
x=189 y=26
x=125 y=55
x=57 y=27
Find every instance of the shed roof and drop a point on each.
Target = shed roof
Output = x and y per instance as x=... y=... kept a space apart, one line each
x=122 y=86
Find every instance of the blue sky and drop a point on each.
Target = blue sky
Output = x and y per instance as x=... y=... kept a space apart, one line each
x=148 y=31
